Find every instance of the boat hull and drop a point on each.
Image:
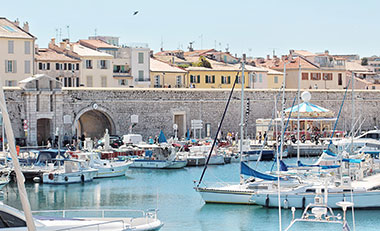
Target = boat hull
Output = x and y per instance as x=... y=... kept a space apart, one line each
x=177 y=164
x=113 y=171
x=68 y=178
x=196 y=161
x=225 y=196
x=361 y=200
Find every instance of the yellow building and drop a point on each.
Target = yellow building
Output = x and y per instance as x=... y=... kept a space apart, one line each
x=275 y=79
x=165 y=75
x=222 y=75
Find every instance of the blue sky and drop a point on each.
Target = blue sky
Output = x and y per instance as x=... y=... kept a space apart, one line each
x=252 y=27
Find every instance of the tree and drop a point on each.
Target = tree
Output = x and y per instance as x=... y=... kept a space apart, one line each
x=202 y=62
x=364 y=61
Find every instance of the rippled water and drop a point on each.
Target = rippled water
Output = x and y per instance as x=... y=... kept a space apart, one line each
x=171 y=191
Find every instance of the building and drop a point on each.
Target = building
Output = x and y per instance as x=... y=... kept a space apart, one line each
x=112 y=40
x=274 y=79
x=59 y=66
x=165 y=75
x=16 y=52
x=96 y=69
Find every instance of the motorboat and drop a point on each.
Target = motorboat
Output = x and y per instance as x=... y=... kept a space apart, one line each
x=216 y=158
x=163 y=156
x=72 y=171
x=14 y=219
x=106 y=168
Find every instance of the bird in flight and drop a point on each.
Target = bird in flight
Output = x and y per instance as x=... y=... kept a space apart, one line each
x=136 y=12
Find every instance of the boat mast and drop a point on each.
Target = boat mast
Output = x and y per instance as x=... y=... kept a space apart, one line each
x=353 y=114
x=19 y=176
x=298 y=111
x=242 y=116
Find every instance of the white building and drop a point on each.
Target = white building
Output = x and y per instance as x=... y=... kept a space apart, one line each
x=16 y=52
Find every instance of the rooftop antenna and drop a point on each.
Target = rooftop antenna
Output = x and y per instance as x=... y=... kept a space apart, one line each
x=227 y=48
x=60 y=34
x=96 y=30
x=68 y=32
x=56 y=33
x=220 y=46
x=162 y=44
x=215 y=44
x=191 y=46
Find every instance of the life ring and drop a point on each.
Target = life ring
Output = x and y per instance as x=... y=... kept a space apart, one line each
x=267 y=201
x=66 y=178
x=51 y=176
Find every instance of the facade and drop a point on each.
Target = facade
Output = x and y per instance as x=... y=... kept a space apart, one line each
x=16 y=52
x=274 y=79
x=165 y=75
x=59 y=66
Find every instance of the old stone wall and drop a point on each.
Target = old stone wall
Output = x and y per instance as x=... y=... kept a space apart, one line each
x=156 y=107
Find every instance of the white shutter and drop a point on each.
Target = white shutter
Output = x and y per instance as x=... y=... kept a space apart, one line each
x=98 y=62
x=84 y=63
x=6 y=66
x=14 y=66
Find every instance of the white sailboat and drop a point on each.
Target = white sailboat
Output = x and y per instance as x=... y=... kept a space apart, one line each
x=13 y=219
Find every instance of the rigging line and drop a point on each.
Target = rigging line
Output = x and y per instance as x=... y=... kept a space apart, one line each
x=340 y=110
x=269 y=128
x=216 y=135
x=286 y=126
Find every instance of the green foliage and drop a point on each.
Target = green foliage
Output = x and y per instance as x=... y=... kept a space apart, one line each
x=202 y=62
x=183 y=65
x=364 y=61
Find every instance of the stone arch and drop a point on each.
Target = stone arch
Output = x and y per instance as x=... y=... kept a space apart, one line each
x=99 y=119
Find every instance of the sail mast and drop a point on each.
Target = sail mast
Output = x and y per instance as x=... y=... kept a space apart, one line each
x=19 y=176
x=242 y=115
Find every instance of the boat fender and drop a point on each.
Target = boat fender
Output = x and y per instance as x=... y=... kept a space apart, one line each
x=267 y=201
x=303 y=202
x=82 y=178
x=286 y=204
x=51 y=176
x=66 y=178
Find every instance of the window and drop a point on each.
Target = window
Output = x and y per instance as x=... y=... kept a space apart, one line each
x=88 y=64
x=65 y=66
x=275 y=80
x=223 y=79
x=57 y=66
x=77 y=67
x=260 y=78
x=179 y=81
x=10 y=46
x=11 y=221
x=373 y=88
x=27 y=47
x=10 y=66
x=210 y=79
x=141 y=58
x=104 y=81
x=40 y=66
x=123 y=82
x=47 y=66
x=327 y=76
x=89 y=81
x=315 y=76
x=69 y=66
x=305 y=76
x=157 y=82
x=27 y=66
x=141 y=76
x=103 y=64
x=340 y=80
x=10 y=83
x=77 y=82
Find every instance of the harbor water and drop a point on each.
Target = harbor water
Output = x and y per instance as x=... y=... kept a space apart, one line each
x=171 y=191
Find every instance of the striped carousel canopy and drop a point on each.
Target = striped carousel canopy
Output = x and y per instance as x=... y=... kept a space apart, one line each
x=310 y=110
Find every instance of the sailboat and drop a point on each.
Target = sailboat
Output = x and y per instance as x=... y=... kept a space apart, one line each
x=14 y=219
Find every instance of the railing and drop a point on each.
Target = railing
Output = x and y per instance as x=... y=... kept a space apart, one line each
x=123 y=226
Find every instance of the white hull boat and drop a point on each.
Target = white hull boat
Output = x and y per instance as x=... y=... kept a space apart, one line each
x=71 y=172
x=216 y=160
x=230 y=194
x=159 y=164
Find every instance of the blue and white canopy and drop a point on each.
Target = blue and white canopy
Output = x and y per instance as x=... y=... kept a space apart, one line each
x=309 y=109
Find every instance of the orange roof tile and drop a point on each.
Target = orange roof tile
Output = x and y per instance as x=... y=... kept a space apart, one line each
x=96 y=43
x=51 y=55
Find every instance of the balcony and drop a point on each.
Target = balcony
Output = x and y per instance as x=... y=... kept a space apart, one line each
x=121 y=74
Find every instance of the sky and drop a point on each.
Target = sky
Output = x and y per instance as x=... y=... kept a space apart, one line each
x=256 y=28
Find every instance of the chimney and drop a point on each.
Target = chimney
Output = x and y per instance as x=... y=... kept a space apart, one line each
x=71 y=47
x=36 y=48
x=26 y=27
x=268 y=57
x=274 y=56
x=283 y=57
x=62 y=45
x=326 y=52
x=17 y=22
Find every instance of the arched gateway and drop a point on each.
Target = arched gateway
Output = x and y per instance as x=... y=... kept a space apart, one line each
x=93 y=121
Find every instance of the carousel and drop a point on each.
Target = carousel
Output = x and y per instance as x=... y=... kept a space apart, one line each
x=314 y=120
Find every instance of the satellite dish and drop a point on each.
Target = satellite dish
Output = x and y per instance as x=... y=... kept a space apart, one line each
x=306 y=96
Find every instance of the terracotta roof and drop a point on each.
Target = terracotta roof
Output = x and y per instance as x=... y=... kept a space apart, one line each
x=96 y=43
x=304 y=53
x=169 y=58
x=168 y=52
x=10 y=30
x=221 y=66
x=355 y=66
x=87 y=52
x=278 y=64
x=197 y=52
x=51 y=55
x=159 y=66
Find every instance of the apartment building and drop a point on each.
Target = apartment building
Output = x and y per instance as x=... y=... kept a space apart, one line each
x=166 y=75
x=16 y=52
x=63 y=68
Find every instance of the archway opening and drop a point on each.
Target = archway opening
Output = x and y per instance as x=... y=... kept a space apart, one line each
x=93 y=124
x=43 y=131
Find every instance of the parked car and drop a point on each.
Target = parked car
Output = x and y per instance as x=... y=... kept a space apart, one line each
x=115 y=141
